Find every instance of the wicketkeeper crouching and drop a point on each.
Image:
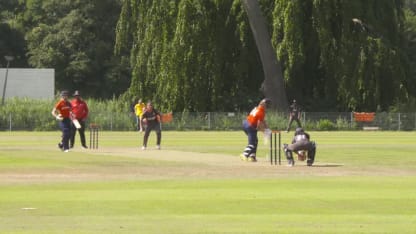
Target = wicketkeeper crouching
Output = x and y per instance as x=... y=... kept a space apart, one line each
x=301 y=145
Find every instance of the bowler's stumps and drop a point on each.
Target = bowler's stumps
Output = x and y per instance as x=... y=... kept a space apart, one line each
x=94 y=136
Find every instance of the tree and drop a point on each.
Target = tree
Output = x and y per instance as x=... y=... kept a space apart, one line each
x=330 y=62
x=273 y=85
x=76 y=38
x=11 y=39
x=410 y=48
x=201 y=56
x=192 y=55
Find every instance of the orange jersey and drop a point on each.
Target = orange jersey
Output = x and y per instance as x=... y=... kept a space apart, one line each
x=256 y=115
x=64 y=108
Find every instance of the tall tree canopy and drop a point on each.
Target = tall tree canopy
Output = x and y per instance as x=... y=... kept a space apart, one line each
x=191 y=54
x=343 y=54
x=200 y=55
x=197 y=55
x=76 y=38
x=12 y=40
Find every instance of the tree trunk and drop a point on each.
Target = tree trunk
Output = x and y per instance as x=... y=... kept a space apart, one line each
x=273 y=85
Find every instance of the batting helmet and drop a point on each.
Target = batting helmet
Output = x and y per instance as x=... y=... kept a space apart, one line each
x=266 y=101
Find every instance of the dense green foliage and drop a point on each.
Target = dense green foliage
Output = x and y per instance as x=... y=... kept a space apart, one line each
x=12 y=40
x=333 y=61
x=75 y=37
x=330 y=61
x=189 y=55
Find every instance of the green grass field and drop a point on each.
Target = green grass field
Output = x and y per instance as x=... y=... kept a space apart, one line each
x=362 y=182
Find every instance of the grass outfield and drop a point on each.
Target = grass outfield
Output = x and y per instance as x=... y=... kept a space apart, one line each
x=362 y=182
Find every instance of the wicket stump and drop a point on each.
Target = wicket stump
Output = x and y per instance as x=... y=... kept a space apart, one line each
x=94 y=136
x=274 y=147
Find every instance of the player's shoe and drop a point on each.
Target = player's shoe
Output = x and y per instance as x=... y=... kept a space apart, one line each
x=252 y=159
x=143 y=147
x=66 y=151
x=291 y=163
x=60 y=146
x=158 y=147
x=243 y=157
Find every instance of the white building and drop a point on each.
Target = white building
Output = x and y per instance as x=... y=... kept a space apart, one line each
x=28 y=82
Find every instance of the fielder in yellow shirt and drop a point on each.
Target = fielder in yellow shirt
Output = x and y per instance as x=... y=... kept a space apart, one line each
x=139 y=110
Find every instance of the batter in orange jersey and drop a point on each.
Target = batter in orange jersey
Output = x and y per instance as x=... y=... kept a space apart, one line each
x=251 y=124
x=62 y=112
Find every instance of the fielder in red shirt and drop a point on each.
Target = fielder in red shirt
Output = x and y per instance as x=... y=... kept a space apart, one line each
x=80 y=113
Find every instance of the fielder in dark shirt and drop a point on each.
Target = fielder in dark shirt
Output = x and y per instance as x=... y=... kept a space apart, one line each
x=294 y=115
x=151 y=120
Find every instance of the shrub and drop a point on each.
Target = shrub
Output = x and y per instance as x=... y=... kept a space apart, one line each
x=343 y=124
x=325 y=125
x=114 y=114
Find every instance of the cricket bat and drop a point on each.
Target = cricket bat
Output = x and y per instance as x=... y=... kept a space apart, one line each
x=76 y=123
